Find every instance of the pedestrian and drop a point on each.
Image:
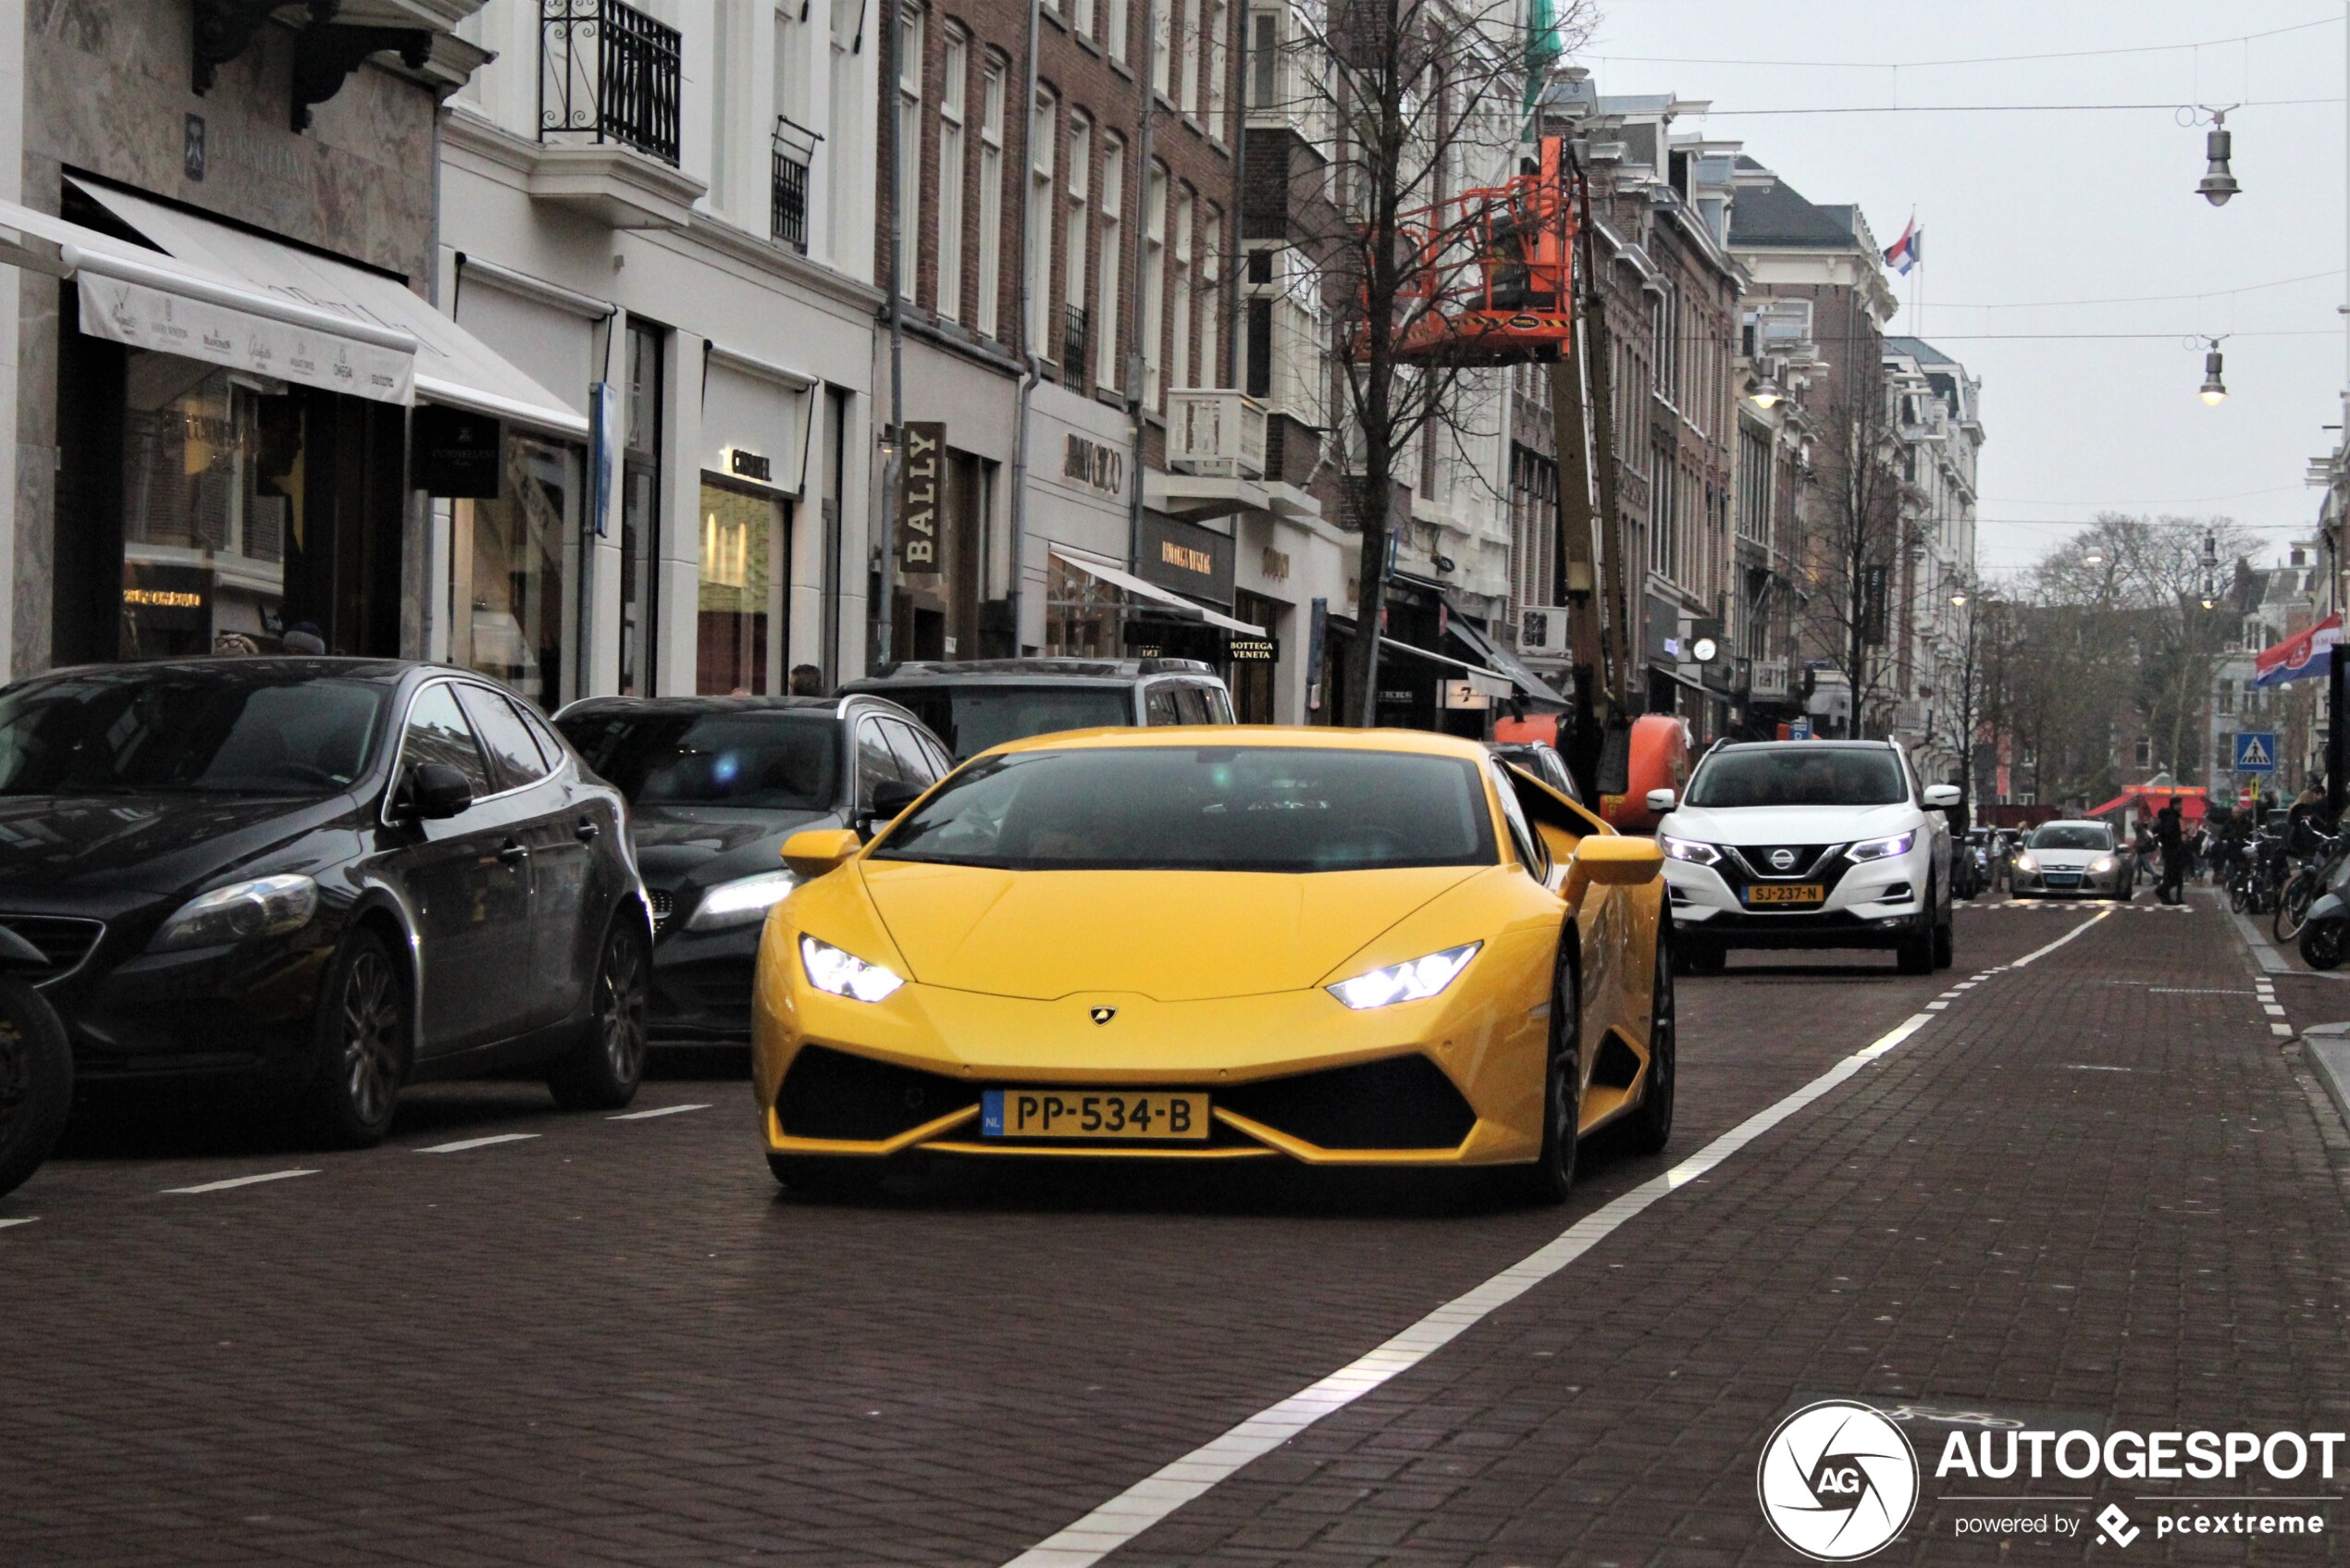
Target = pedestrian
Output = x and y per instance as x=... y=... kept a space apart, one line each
x=2168 y=835
x=806 y=681
x=303 y=637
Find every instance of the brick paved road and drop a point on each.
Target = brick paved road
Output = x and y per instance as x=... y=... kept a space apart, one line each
x=610 y=1342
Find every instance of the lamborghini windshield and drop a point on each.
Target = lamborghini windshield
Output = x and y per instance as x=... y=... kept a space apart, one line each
x=1221 y=807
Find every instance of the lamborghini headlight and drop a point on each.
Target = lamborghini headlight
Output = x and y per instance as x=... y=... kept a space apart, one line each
x=741 y=901
x=267 y=907
x=845 y=974
x=1415 y=982
x=1882 y=849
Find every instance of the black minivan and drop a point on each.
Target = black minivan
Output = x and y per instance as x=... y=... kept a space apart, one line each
x=323 y=876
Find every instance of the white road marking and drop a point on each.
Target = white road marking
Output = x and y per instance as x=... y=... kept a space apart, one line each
x=2272 y=1009
x=1935 y=1007
x=1155 y=1497
x=238 y=1182
x=656 y=1111
x=2281 y=1030
x=2091 y=1067
x=462 y=1144
x=2038 y=953
x=22 y=1219
x=2189 y=990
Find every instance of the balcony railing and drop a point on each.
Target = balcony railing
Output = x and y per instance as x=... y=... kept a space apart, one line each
x=607 y=73
x=1217 y=432
x=795 y=147
x=1076 y=344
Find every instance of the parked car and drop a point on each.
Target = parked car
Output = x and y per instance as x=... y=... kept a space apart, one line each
x=715 y=786
x=1809 y=844
x=1540 y=760
x=982 y=702
x=322 y=876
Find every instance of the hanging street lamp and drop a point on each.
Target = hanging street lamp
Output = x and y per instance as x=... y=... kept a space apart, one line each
x=2219 y=181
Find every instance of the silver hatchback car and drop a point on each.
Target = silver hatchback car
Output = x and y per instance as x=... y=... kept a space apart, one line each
x=2075 y=860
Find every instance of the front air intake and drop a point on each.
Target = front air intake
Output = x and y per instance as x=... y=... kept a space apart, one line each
x=1401 y=1103
x=830 y=1093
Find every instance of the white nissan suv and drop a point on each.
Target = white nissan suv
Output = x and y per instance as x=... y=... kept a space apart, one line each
x=1808 y=844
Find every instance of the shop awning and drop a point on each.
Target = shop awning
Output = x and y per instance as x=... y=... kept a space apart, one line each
x=452 y=367
x=147 y=300
x=1491 y=683
x=1501 y=659
x=1156 y=595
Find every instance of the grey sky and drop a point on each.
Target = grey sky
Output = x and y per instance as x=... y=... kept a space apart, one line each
x=2029 y=208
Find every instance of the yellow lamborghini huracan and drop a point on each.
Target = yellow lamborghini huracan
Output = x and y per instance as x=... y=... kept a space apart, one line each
x=1340 y=947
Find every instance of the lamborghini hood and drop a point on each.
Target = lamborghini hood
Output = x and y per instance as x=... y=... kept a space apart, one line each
x=1174 y=936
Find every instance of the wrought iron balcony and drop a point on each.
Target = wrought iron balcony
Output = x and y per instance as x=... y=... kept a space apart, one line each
x=1076 y=345
x=795 y=150
x=608 y=73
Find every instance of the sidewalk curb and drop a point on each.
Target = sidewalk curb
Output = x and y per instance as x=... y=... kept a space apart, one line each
x=2327 y=1046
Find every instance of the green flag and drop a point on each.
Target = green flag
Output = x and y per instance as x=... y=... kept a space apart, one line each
x=1541 y=50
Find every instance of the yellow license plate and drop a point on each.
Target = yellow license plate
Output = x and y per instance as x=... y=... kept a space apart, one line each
x=1079 y=1113
x=1800 y=892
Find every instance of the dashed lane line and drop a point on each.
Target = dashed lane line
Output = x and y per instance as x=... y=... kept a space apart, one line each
x=656 y=1111
x=19 y=1219
x=462 y=1144
x=1157 y=1496
x=236 y=1181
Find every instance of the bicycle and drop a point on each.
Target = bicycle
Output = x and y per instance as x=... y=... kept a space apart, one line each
x=2301 y=889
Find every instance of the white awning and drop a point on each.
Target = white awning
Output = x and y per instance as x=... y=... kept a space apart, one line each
x=1491 y=683
x=147 y=300
x=451 y=367
x=1152 y=591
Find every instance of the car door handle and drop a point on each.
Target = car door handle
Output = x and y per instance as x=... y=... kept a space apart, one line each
x=513 y=853
x=586 y=830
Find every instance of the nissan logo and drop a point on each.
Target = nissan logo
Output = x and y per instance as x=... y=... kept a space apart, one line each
x=1781 y=859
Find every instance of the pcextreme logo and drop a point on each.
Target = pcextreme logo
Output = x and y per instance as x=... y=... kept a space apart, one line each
x=1837 y=1481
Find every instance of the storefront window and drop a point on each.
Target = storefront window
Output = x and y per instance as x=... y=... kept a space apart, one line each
x=212 y=506
x=740 y=604
x=511 y=562
x=1081 y=614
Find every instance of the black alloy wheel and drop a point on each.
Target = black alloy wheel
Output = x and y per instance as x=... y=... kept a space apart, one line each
x=1551 y=1176
x=2322 y=943
x=36 y=1081
x=604 y=1070
x=1652 y=1120
x=363 y=1048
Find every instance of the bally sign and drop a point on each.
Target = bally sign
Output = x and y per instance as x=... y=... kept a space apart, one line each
x=919 y=464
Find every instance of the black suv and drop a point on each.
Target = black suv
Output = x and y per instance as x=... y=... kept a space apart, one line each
x=977 y=703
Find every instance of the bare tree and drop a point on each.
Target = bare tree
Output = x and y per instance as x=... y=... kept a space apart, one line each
x=1413 y=111
x=1858 y=550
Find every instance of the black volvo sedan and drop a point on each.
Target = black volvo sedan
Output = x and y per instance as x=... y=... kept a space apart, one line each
x=715 y=786
x=326 y=876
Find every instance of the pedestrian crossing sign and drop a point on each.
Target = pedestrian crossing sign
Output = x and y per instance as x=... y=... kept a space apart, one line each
x=2256 y=751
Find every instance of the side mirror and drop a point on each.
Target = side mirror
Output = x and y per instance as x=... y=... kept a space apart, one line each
x=1941 y=798
x=1663 y=800
x=819 y=850
x=1611 y=861
x=433 y=791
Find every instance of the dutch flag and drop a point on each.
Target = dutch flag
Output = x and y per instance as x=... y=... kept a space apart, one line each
x=1904 y=253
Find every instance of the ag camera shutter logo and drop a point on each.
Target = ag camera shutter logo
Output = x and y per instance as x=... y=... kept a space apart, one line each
x=1837 y=1481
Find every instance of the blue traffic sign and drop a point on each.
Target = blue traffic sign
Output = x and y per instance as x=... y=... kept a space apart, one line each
x=2256 y=751
x=1799 y=729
